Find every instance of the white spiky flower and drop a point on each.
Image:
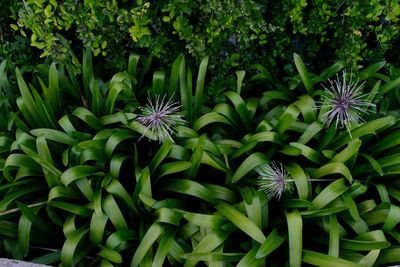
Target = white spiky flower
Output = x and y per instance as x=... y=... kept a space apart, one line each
x=161 y=117
x=274 y=180
x=344 y=102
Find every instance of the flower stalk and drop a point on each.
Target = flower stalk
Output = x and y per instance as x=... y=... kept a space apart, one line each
x=344 y=102
x=161 y=117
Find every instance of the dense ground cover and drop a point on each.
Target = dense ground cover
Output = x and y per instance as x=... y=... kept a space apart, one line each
x=103 y=186
x=113 y=159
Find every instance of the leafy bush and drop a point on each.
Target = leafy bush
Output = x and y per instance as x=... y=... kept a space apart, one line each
x=13 y=47
x=79 y=168
x=111 y=29
x=232 y=33
x=356 y=31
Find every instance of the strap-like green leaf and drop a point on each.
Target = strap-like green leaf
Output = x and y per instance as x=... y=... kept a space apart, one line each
x=110 y=255
x=319 y=259
x=77 y=172
x=199 y=94
x=273 y=241
x=188 y=187
x=54 y=135
x=70 y=246
x=248 y=165
x=330 y=193
x=113 y=212
x=332 y=168
x=148 y=240
x=302 y=70
x=295 y=232
x=97 y=227
x=241 y=221
x=241 y=108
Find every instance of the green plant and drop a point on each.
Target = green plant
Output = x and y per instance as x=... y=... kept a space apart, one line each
x=13 y=47
x=77 y=171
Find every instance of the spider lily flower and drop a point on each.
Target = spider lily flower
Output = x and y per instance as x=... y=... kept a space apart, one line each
x=274 y=180
x=344 y=102
x=161 y=117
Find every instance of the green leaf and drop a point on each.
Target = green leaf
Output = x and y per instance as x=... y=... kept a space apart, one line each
x=302 y=70
x=116 y=188
x=300 y=179
x=287 y=119
x=174 y=167
x=72 y=208
x=250 y=258
x=370 y=127
x=330 y=193
x=204 y=220
x=70 y=246
x=370 y=259
x=196 y=157
x=312 y=130
x=119 y=238
x=332 y=70
x=24 y=232
x=241 y=221
x=97 y=227
x=174 y=77
x=54 y=135
x=389 y=256
x=18 y=161
x=332 y=168
x=199 y=94
x=87 y=72
x=333 y=236
x=27 y=101
x=248 y=165
x=117 y=138
x=115 y=90
x=158 y=82
x=186 y=94
x=295 y=232
x=114 y=213
x=165 y=245
x=53 y=93
x=266 y=136
x=110 y=255
x=20 y=192
x=389 y=86
x=148 y=240
x=307 y=107
x=319 y=259
x=78 y=172
x=48 y=259
x=88 y=117
x=209 y=118
x=239 y=80
x=188 y=187
x=273 y=241
x=161 y=154
x=371 y=70
x=241 y=108
x=307 y=152
x=132 y=66
x=347 y=153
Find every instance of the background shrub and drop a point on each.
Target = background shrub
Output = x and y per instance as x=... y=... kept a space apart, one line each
x=14 y=47
x=233 y=33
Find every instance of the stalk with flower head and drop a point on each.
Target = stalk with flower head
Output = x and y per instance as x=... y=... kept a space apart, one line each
x=274 y=180
x=161 y=117
x=344 y=102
